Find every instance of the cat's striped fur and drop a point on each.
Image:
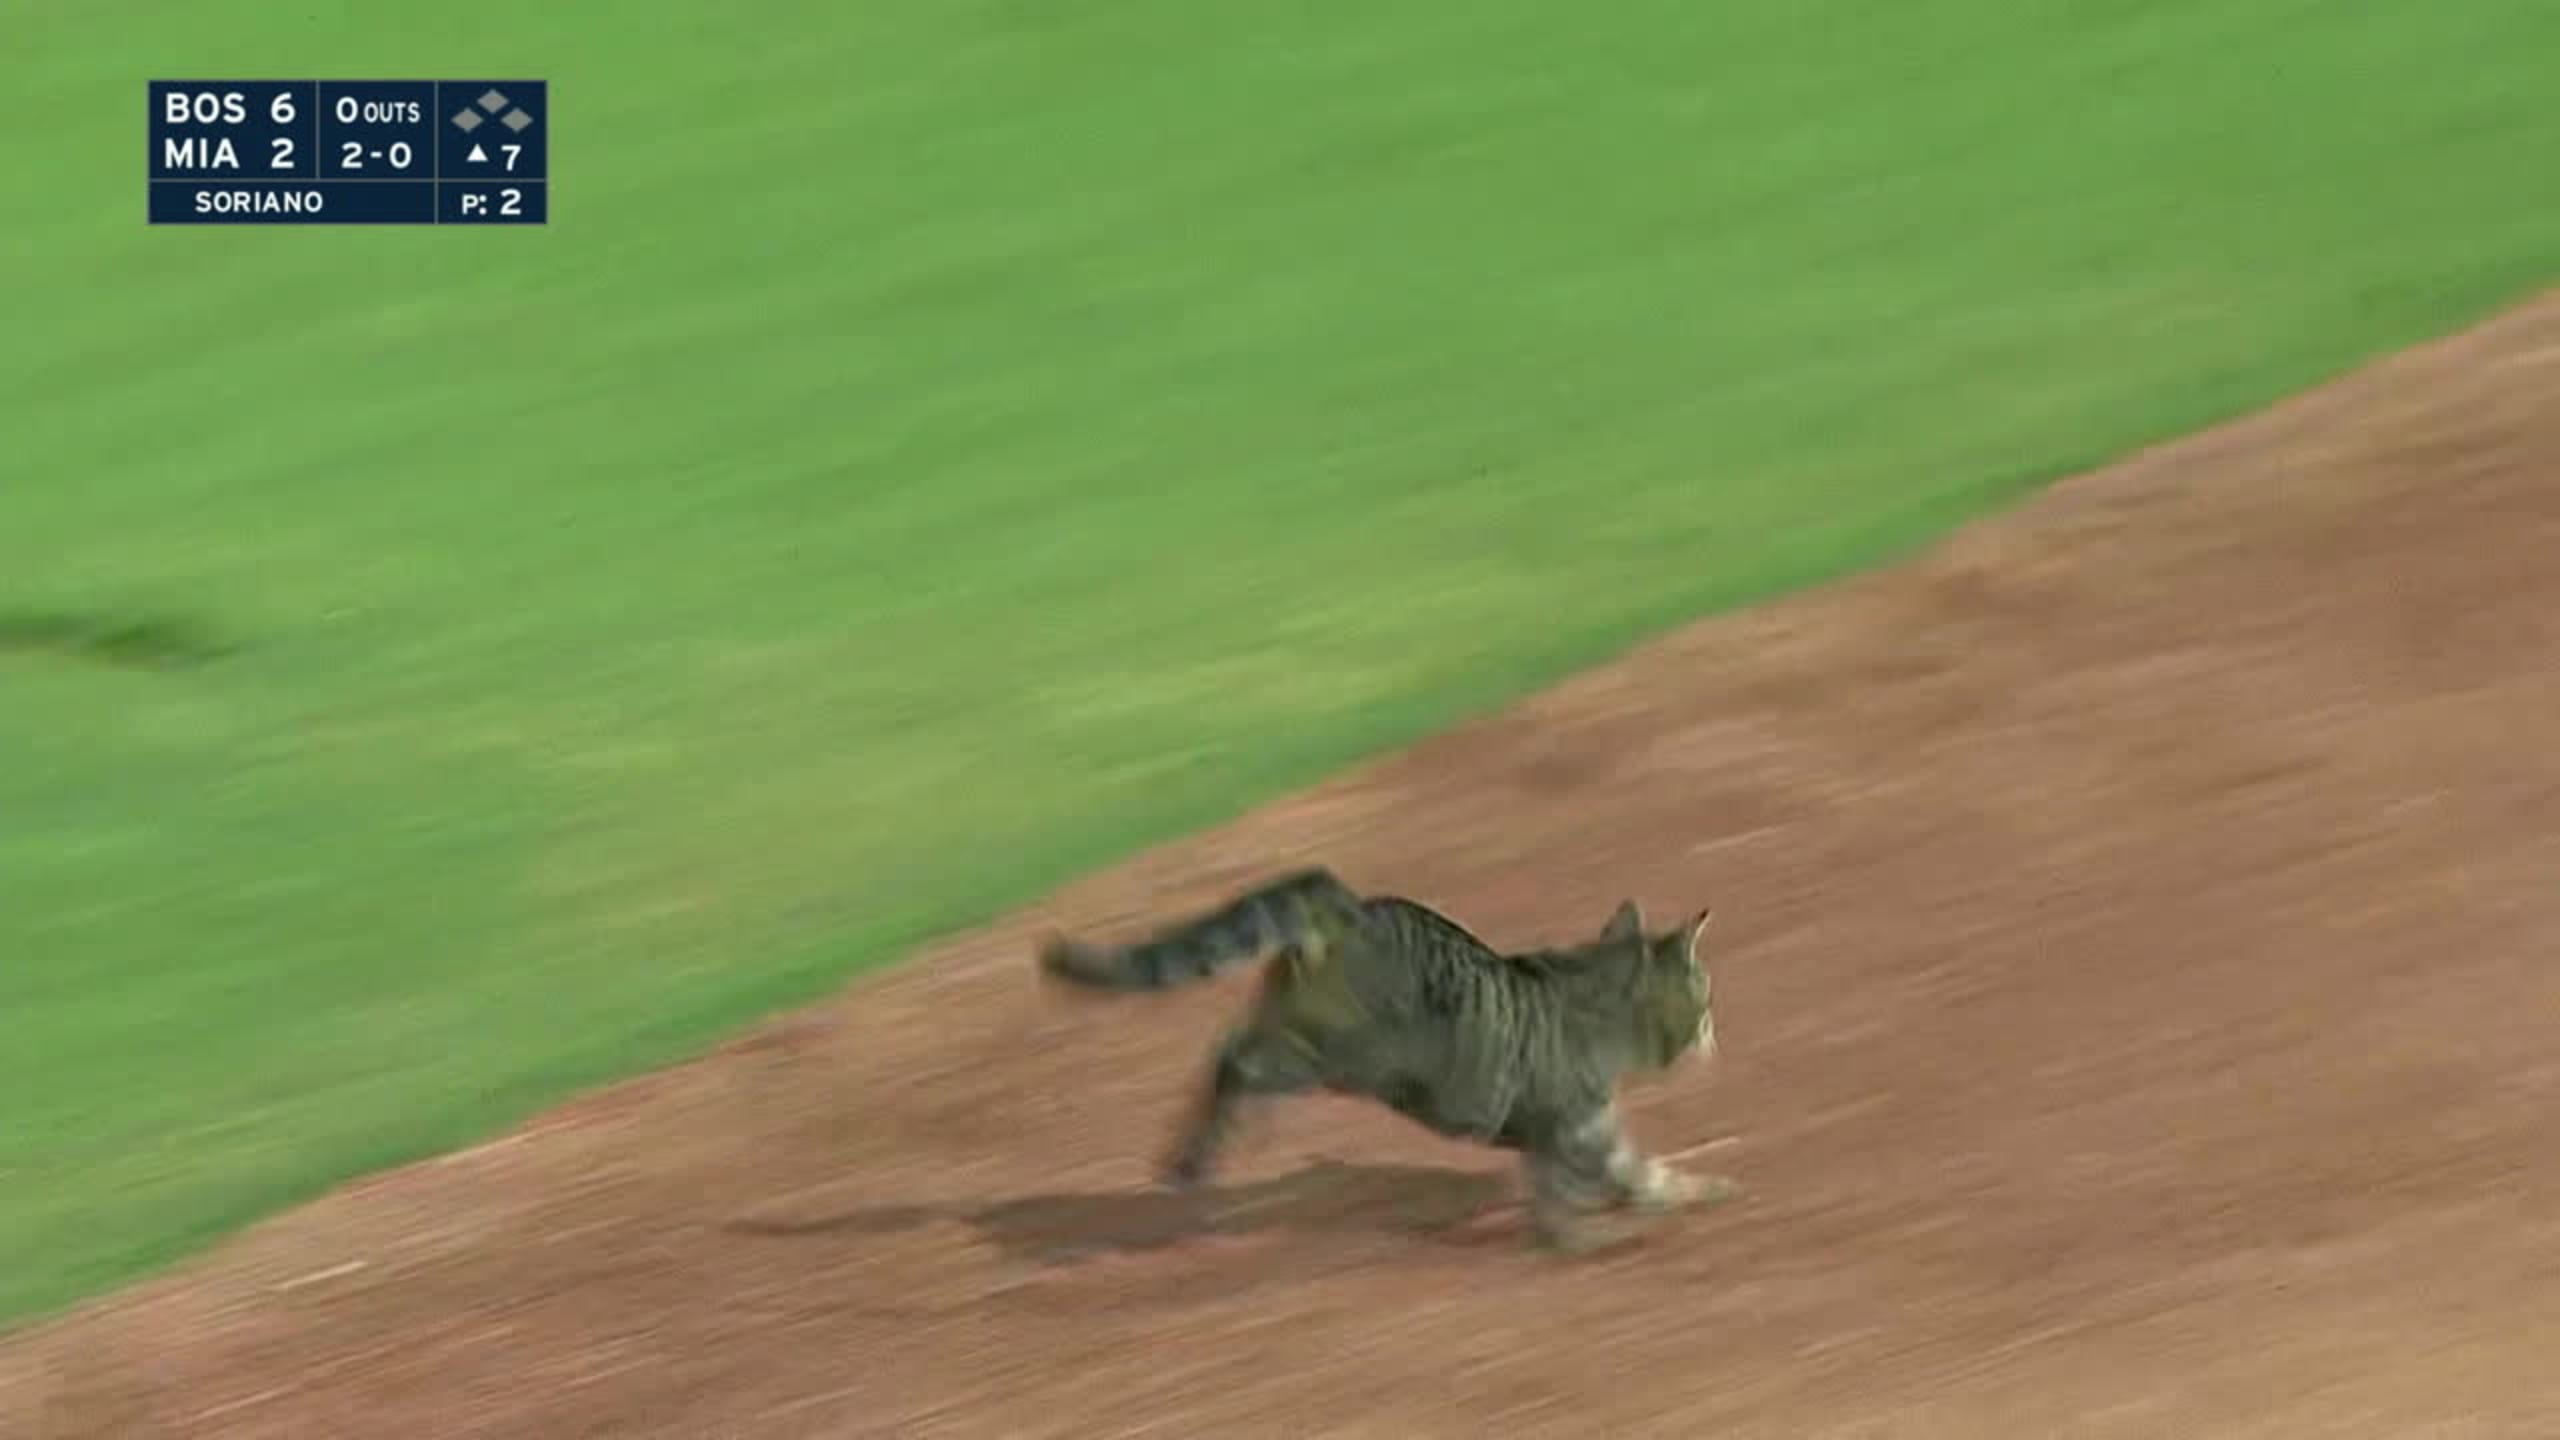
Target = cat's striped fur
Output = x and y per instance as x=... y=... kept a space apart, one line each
x=1382 y=997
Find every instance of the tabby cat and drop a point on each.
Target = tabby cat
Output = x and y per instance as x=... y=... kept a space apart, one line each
x=1382 y=997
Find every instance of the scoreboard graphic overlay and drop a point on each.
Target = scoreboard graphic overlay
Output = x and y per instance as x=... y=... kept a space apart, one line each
x=350 y=152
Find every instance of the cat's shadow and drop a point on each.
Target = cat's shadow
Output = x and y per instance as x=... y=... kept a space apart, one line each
x=1324 y=1197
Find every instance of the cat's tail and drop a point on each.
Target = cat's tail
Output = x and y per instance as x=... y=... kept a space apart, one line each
x=1303 y=912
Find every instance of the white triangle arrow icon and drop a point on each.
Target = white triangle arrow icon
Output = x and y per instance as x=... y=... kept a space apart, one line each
x=479 y=156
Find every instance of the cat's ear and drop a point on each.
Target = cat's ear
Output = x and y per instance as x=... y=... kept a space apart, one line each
x=1625 y=923
x=1693 y=937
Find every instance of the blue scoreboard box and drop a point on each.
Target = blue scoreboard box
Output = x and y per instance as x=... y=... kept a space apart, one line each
x=350 y=152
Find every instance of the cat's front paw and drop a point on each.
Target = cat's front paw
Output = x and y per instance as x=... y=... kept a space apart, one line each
x=1666 y=1189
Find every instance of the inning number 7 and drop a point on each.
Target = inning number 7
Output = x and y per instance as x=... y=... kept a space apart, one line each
x=512 y=152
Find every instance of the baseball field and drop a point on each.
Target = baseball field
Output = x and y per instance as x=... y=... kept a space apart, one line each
x=470 y=701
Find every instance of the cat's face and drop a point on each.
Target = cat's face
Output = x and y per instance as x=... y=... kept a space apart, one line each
x=1678 y=994
x=1685 y=992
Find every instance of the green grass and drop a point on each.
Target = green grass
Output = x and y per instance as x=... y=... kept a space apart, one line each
x=942 y=444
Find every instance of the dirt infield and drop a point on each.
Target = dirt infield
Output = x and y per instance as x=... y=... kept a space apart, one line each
x=2140 y=986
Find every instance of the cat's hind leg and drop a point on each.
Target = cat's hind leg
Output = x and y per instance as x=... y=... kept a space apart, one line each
x=1256 y=1061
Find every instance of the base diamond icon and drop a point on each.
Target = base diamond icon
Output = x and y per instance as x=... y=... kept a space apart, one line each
x=468 y=121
